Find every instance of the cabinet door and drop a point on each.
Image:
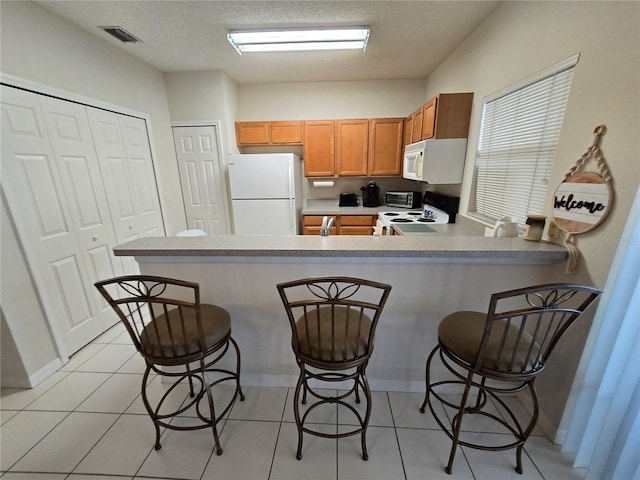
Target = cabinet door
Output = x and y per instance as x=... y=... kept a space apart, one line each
x=253 y=133
x=357 y=224
x=408 y=124
x=429 y=118
x=319 y=160
x=286 y=133
x=352 y=147
x=453 y=115
x=416 y=130
x=385 y=147
x=311 y=225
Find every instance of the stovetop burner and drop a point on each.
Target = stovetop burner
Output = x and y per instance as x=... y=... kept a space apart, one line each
x=391 y=214
x=426 y=220
x=401 y=220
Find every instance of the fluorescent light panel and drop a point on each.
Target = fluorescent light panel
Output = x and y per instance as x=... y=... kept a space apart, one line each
x=299 y=39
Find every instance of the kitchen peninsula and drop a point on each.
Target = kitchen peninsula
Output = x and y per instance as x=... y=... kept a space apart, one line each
x=431 y=276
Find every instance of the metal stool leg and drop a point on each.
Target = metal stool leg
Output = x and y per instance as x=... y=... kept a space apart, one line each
x=147 y=405
x=212 y=410
x=457 y=422
x=427 y=375
x=296 y=407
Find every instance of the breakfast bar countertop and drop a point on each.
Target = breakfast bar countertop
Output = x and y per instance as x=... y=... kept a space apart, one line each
x=452 y=244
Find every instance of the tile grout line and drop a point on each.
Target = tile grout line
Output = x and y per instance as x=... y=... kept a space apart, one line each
x=395 y=431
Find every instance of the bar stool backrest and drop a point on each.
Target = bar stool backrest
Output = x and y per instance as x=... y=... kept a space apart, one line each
x=333 y=319
x=157 y=313
x=523 y=326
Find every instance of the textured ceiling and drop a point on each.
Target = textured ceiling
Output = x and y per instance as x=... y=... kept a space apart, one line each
x=408 y=38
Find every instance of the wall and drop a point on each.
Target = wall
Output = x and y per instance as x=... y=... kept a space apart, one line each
x=522 y=38
x=329 y=100
x=201 y=97
x=44 y=48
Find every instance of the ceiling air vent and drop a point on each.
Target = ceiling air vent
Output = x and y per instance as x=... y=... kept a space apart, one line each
x=121 y=34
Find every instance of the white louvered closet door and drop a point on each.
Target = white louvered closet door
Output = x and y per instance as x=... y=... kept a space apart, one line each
x=40 y=205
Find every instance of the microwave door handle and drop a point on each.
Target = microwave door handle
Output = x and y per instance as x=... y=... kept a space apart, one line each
x=412 y=157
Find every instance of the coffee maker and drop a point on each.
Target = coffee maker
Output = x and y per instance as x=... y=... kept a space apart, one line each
x=370 y=195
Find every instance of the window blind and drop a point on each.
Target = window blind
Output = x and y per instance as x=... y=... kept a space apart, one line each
x=519 y=134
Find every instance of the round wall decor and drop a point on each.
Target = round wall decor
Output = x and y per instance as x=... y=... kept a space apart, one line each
x=581 y=202
x=583 y=199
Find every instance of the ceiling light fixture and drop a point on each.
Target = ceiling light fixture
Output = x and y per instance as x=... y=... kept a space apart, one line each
x=299 y=39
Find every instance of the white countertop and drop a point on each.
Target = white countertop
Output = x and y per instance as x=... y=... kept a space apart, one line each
x=453 y=243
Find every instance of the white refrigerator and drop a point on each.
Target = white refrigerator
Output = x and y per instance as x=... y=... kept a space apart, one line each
x=266 y=193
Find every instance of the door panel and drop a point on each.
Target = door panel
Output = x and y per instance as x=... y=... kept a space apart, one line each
x=113 y=166
x=72 y=142
x=138 y=152
x=127 y=168
x=39 y=202
x=203 y=189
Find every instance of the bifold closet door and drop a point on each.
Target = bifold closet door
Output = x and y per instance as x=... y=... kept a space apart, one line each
x=125 y=162
x=51 y=201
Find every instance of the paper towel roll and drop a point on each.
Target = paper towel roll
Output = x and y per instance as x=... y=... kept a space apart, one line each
x=323 y=183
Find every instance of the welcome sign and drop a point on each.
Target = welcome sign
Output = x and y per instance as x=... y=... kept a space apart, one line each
x=581 y=202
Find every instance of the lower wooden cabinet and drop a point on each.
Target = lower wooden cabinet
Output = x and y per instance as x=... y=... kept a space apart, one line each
x=345 y=224
x=356 y=224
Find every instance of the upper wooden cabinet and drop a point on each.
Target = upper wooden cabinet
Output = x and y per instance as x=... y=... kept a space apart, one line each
x=416 y=125
x=269 y=133
x=319 y=159
x=287 y=133
x=429 y=118
x=385 y=147
x=352 y=147
x=446 y=115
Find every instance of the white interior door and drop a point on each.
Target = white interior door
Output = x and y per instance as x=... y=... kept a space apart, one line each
x=127 y=171
x=70 y=136
x=201 y=178
x=39 y=203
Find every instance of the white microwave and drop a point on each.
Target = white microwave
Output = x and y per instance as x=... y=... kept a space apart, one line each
x=438 y=161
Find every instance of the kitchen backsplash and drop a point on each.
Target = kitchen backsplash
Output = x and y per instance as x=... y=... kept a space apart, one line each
x=352 y=185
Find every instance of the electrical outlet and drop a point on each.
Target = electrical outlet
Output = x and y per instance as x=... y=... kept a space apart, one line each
x=553 y=231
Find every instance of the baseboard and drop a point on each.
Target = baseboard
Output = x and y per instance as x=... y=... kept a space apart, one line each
x=35 y=378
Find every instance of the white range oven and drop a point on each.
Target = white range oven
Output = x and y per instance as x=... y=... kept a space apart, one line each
x=437 y=209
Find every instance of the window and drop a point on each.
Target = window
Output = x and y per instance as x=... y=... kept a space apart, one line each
x=519 y=133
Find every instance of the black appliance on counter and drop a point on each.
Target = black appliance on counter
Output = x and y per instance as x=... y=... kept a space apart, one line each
x=348 y=200
x=446 y=203
x=370 y=195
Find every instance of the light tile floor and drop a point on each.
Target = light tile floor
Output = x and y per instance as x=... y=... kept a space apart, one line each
x=87 y=421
